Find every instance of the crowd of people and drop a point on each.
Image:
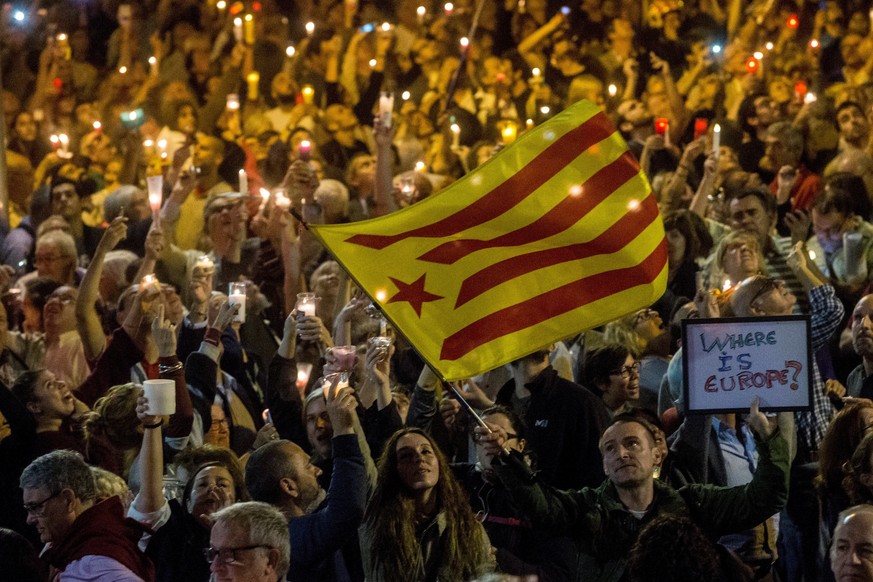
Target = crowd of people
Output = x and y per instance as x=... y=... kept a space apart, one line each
x=192 y=388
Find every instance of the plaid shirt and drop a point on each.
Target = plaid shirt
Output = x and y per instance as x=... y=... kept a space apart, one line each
x=827 y=313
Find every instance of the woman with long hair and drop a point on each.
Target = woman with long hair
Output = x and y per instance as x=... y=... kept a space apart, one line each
x=418 y=524
x=844 y=434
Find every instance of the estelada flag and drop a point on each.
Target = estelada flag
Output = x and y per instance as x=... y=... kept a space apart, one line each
x=556 y=234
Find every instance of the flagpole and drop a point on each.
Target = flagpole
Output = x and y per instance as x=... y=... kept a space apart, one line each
x=454 y=82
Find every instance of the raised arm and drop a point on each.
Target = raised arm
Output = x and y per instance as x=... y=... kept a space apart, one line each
x=87 y=320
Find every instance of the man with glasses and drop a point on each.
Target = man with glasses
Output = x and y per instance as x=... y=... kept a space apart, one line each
x=249 y=543
x=84 y=540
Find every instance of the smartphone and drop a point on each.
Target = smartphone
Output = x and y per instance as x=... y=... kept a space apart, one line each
x=133 y=119
x=369 y=27
x=565 y=10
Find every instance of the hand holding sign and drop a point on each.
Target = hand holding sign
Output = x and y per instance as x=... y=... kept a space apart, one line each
x=758 y=421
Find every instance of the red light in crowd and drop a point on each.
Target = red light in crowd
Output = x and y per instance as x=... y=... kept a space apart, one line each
x=661 y=124
x=800 y=88
x=237 y=7
x=58 y=84
x=700 y=126
x=793 y=21
x=752 y=65
x=256 y=6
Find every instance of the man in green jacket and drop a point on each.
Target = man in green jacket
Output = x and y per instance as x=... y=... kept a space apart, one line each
x=606 y=521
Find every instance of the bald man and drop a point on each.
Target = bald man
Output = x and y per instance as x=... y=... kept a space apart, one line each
x=852 y=547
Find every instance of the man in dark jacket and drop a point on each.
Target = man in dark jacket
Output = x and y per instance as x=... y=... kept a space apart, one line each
x=607 y=520
x=321 y=526
x=564 y=422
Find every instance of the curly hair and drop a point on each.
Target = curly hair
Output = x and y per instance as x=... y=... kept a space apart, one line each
x=114 y=417
x=391 y=519
x=858 y=466
x=673 y=548
x=842 y=437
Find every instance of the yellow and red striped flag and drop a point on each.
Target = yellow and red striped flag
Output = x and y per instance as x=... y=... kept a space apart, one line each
x=556 y=234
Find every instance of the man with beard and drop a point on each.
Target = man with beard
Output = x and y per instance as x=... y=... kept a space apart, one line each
x=860 y=380
x=854 y=127
x=322 y=526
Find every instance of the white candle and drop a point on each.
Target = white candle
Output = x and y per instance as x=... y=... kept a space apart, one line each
x=156 y=195
x=243 y=183
x=238 y=29
x=237 y=296
x=383 y=327
x=386 y=107
x=421 y=11
x=716 y=139
x=204 y=263
x=153 y=66
x=456 y=135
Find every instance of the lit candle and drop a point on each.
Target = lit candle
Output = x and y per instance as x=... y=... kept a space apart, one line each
x=421 y=11
x=310 y=28
x=386 y=107
x=373 y=63
x=383 y=327
x=716 y=139
x=156 y=195
x=205 y=264
x=386 y=27
x=252 y=79
x=306 y=305
x=308 y=94
x=98 y=127
x=448 y=8
x=465 y=43
x=612 y=89
x=162 y=148
x=238 y=29
x=56 y=141
x=304 y=370
x=304 y=150
x=249 y=29
x=153 y=66
x=122 y=70
x=64 y=141
x=727 y=285
x=529 y=123
x=243 y=183
x=456 y=135
x=405 y=95
x=150 y=281
x=236 y=295
x=290 y=51
x=221 y=5
x=420 y=166
x=265 y=197
x=509 y=132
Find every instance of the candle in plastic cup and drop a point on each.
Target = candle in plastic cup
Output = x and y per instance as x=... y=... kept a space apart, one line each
x=306 y=303
x=345 y=356
x=386 y=107
x=156 y=194
x=340 y=379
x=161 y=395
x=236 y=295
x=304 y=370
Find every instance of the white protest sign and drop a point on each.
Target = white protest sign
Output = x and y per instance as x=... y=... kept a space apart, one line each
x=729 y=362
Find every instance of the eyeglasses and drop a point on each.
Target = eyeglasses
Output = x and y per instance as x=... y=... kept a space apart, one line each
x=769 y=285
x=64 y=299
x=228 y=555
x=644 y=315
x=38 y=509
x=627 y=371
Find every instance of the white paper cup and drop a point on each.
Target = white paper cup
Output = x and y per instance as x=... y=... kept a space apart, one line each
x=161 y=395
x=237 y=296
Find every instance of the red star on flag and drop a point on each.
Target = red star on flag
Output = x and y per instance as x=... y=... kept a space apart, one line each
x=412 y=293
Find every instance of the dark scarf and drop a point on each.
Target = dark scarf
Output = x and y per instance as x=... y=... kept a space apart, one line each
x=102 y=530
